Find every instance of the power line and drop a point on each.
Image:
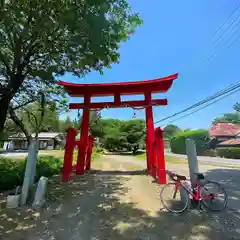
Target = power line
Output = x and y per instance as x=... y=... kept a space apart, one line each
x=234 y=41
x=235 y=9
x=219 y=99
x=204 y=57
x=226 y=29
x=224 y=91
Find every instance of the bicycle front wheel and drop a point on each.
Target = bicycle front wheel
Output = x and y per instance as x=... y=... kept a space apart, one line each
x=174 y=199
x=213 y=195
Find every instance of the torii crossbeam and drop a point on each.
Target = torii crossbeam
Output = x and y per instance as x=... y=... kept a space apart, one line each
x=117 y=90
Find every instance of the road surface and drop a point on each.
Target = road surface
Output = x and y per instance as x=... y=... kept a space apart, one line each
x=211 y=160
x=118 y=201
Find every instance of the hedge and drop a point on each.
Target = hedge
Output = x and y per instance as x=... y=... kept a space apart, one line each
x=229 y=152
x=12 y=171
x=201 y=138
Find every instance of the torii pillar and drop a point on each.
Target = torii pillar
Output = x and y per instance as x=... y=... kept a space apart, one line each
x=83 y=143
x=150 y=133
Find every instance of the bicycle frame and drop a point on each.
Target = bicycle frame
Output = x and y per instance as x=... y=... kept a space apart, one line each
x=196 y=195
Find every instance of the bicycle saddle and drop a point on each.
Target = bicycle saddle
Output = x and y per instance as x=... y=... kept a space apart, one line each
x=200 y=176
x=180 y=177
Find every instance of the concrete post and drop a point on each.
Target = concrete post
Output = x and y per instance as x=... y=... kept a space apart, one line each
x=30 y=171
x=192 y=165
x=192 y=159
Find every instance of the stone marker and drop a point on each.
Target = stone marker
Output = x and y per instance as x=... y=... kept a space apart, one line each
x=30 y=171
x=192 y=159
x=39 y=199
x=193 y=168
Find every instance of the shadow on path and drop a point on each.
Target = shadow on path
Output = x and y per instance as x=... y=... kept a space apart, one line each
x=90 y=207
x=119 y=172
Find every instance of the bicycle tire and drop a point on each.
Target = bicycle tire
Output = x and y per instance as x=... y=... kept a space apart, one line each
x=206 y=202
x=162 y=195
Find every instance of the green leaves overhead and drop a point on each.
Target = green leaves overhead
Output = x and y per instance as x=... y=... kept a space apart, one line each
x=41 y=40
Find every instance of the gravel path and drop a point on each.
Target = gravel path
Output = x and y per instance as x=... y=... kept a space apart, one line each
x=119 y=201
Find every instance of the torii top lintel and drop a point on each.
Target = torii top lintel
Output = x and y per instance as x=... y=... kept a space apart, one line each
x=158 y=85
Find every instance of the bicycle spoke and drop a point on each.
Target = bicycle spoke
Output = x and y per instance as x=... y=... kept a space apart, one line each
x=174 y=198
x=213 y=196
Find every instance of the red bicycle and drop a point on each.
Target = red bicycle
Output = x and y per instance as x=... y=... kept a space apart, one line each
x=175 y=196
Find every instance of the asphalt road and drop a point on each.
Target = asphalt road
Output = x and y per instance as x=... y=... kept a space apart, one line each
x=212 y=160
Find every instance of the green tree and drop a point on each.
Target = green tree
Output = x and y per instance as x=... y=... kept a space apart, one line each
x=135 y=132
x=43 y=39
x=237 y=107
x=96 y=127
x=66 y=124
x=171 y=130
x=34 y=122
x=230 y=117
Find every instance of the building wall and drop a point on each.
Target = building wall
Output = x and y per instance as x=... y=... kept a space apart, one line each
x=23 y=144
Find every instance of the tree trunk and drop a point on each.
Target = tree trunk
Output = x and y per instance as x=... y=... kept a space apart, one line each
x=4 y=105
x=8 y=93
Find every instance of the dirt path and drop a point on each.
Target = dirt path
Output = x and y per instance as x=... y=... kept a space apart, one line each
x=116 y=201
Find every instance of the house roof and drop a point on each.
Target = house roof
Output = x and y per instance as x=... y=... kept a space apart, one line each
x=42 y=135
x=224 y=129
x=230 y=142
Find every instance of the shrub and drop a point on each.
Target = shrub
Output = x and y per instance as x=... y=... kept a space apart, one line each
x=229 y=152
x=201 y=138
x=48 y=166
x=12 y=171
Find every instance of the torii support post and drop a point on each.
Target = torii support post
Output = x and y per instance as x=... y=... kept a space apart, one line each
x=161 y=166
x=68 y=155
x=150 y=133
x=82 y=149
x=89 y=153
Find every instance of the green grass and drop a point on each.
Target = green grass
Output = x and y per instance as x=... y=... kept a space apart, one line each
x=169 y=159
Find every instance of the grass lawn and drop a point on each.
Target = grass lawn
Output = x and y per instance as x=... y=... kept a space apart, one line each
x=169 y=159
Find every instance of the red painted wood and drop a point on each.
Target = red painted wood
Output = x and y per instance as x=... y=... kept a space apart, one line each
x=125 y=88
x=68 y=155
x=117 y=99
x=150 y=133
x=161 y=166
x=89 y=153
x=83 y=138
x=147 y=153
x=155 y=102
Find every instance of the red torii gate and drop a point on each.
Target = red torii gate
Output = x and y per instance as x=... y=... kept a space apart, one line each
x=154 y=138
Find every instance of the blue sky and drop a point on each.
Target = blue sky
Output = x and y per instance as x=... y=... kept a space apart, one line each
x=177 y=36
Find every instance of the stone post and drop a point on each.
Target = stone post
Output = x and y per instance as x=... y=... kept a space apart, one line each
x=30 y=170
x=192 y=159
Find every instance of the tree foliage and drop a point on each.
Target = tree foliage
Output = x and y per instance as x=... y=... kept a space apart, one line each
x=118 y=135
x=200 y=137
x=171 y=130
x=35 y=122
x=44 y=39
x=230 y=117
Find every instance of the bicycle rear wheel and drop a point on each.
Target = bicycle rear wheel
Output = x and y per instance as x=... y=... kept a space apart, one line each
x=173 y=199
x=213 y=195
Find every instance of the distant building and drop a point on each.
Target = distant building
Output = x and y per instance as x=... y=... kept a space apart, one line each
x=223 y=133
x=47 y=141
